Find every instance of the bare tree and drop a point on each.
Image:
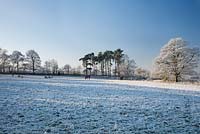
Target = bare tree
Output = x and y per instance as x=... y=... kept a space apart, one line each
x=141 y=73
x=47 y=67
x=25 y=66
x=177 y=61
x=34 y=60
x=79 y=70
x=67 y=68
x=127 y=67
x=51 y=66
x=54 y=66
x=16 y=57
x=4 y=59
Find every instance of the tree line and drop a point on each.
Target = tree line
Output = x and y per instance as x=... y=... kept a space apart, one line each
x=101 y=64
x=30 y=63
x=177 y=61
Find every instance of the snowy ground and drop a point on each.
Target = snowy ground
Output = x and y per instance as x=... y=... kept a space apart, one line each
x=159 y=84
x=67 y=105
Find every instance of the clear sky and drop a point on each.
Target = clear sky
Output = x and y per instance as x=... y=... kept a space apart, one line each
x=67 y=29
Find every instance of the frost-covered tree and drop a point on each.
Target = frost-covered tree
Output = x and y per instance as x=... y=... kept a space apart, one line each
x=177 y=61
x=127 y=67
x=25 y=66
x=79 y=70
x=67 y=68
x=47 y=67
x=141 y=73
x=51 y=66
x=16 y=57
x=33 y=59
x=54 y=66
x=4 y=59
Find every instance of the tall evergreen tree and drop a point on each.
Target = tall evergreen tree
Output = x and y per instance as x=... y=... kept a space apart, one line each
x=118 y=55
x=108 y=61
x=101 y=62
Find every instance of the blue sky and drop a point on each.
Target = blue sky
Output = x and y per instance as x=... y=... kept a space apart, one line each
x=67 y=29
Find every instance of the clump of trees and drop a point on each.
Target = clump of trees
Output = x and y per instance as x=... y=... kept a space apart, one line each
x=18 y=63
x=177 y=61
x=110 y=63
x=51 y=66
x=142 y=74
x=127 y=67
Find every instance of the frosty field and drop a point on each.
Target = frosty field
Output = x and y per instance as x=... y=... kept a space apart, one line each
x=68 y=105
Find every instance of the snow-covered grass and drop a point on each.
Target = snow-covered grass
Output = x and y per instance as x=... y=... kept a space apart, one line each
x=159 y=84
x=68 y=105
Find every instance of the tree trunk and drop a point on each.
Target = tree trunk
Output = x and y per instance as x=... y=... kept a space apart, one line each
x=9 y=69
x=104 y=64
x=17 y=67
x=176 y=78
x=3 y=68
x=33 y=67
x=115 y=69
x=110 y=69
x=102 y=71
x=118 y=72
x=68 y=71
